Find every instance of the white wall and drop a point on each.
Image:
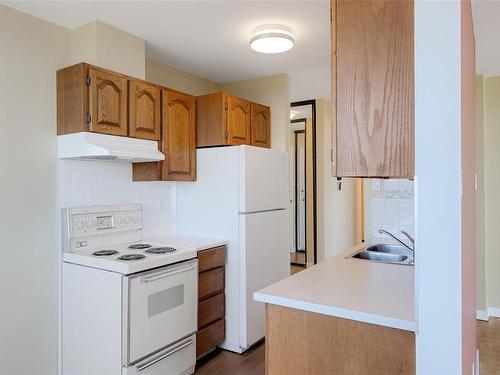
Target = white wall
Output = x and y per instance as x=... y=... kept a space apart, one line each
x=178 y=80
x=438 y=187
x=105 y=46
x=338 y=219
x=31 y=51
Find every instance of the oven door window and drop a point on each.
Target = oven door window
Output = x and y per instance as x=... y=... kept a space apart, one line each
x=163 y=305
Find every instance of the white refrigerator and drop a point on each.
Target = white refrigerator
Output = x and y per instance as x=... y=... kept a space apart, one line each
x=241 y=194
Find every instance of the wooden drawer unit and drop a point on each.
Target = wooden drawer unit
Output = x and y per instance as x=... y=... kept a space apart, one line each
x=212 y=258
x=209 y=337
x=210 y=282
x=210 y=310
x=211 y=301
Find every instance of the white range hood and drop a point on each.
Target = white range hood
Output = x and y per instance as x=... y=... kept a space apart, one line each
x=97 y=146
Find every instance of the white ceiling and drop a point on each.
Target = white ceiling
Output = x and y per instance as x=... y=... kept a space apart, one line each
x=210 y=38
x=486 y=16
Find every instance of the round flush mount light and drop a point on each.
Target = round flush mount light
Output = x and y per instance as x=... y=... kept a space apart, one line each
x=271 y=39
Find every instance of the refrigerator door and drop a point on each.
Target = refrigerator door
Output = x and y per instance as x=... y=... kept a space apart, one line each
x=264 y=260
x=263 y=179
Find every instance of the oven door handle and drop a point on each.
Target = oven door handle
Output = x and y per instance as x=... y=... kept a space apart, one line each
x=163 y=356
x=167 y=274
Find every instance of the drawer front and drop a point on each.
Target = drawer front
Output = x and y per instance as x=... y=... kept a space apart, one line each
x=210 y=282
x=210 y=310
x=209 y=337
x=211 y=258
x=178 y=359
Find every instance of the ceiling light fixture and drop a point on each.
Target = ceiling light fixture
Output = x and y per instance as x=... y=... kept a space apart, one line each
x=271 y=39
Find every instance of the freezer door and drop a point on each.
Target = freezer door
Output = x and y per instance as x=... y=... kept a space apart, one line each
x=263 y=179
x=264 y=260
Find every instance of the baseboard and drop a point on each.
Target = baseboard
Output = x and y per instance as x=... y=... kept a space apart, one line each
x=482 y=315
x=494 y=312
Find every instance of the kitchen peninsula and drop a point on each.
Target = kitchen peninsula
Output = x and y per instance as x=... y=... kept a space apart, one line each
x=341 y=316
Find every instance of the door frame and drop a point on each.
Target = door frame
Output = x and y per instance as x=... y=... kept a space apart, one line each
x=312 y=103
x=297 y=132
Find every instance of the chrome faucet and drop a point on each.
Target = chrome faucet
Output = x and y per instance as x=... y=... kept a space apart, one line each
x=412 y=248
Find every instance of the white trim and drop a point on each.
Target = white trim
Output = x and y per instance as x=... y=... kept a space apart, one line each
x=493 y=311
x=482 y=315
x=475 y=367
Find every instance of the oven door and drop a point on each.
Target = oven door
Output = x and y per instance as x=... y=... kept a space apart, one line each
x=162 y=308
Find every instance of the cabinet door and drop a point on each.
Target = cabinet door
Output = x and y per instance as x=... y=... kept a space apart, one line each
x=108 y=103
x=373 y=87
x=238 y=121
x=179 y=136
x=260 y=129
x=144 y=110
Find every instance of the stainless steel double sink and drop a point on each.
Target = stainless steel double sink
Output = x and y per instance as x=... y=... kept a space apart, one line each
x=385 y=253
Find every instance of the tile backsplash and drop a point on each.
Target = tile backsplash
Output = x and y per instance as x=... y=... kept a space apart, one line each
x=389 y=206
x=86 y=183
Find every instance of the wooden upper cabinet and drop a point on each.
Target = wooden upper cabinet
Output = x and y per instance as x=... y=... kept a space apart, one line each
x=91 y=99
x=179 y=136
x=178 y=141
x=107 y=103
x=223 y=119
x=238 y=121
x=144 y=110
x=260 y=127
x=373 y=88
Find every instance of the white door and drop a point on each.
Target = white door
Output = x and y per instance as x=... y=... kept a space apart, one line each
x=264 y=260
x=263 y=175
x=162 y=308
x=301 y=191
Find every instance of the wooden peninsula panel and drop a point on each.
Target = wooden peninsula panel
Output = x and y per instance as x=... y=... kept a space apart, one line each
x=305 y=343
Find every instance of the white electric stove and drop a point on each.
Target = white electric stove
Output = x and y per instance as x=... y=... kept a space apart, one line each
x=129 y=305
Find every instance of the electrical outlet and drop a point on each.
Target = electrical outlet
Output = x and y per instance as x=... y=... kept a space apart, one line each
x=163 y=204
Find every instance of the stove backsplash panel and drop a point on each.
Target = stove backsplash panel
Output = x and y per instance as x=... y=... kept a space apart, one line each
x=86 y=183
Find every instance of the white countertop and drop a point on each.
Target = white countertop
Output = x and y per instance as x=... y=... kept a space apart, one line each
x=355 y=289
x=195 y=243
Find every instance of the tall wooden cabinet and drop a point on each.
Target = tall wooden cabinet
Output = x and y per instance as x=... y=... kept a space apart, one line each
x=223 y=119
x=178 y=141
x=372 y=88
x=179 y=136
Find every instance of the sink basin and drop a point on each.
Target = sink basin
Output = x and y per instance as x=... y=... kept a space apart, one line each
x=385 y=253
x=388 y=249
x=380 y=257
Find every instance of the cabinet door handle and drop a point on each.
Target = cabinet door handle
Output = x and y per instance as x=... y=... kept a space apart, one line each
x=163 y=356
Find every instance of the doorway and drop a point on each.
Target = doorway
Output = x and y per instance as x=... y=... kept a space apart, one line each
x=303 y=252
